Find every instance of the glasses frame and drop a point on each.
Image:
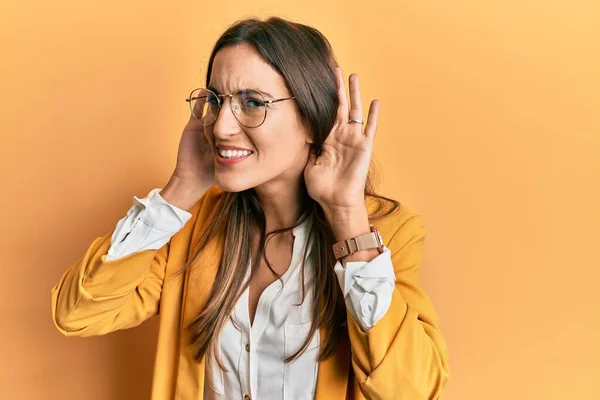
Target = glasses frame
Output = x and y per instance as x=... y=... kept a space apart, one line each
x=220 y=97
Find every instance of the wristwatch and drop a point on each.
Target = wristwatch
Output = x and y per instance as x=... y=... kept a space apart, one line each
x=367 y=241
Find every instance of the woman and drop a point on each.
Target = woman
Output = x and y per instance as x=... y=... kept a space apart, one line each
x=247 y=252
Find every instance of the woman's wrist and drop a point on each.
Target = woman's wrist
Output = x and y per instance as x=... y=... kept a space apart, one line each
x=182 y=194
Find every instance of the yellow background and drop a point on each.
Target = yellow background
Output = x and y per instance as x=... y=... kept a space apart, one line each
x=489 y=128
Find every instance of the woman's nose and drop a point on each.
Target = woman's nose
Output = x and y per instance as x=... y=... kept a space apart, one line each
x=226 y=124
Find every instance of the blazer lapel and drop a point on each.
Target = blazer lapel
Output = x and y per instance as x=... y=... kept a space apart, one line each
x=198 y=283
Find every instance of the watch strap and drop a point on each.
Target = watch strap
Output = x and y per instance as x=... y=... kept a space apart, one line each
x=367 y=241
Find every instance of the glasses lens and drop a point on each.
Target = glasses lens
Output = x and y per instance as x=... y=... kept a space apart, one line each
x=249 y=108
x=204 y=106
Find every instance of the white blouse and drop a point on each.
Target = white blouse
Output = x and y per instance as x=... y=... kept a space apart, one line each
x=254 y=354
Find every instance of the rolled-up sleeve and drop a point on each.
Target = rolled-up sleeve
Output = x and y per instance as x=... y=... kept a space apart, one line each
x=367 y=287
x=149 y=224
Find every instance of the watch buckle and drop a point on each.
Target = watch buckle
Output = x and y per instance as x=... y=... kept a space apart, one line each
x=350 y=248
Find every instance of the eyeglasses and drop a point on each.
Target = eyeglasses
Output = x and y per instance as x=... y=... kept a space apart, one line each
x=248 y=106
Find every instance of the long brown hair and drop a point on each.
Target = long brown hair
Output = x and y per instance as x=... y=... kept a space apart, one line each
x=303 y=56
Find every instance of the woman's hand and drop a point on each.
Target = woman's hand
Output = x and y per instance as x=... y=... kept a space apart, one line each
x=195 y=161
x=195 y=169
x=336 y=178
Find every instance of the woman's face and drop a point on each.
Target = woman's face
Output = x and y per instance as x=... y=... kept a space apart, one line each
x=280 y=146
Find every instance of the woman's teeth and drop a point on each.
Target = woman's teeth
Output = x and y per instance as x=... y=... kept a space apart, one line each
x=234 y=153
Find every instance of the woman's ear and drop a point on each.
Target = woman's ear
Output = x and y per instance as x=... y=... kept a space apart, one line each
x=310 y=137
x=308 y=134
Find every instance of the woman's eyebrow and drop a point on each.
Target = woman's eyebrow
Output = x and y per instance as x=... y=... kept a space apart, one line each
x=213 y=89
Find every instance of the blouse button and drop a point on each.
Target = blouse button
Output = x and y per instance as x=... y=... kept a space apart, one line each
x=246 y=397
x=247 y=349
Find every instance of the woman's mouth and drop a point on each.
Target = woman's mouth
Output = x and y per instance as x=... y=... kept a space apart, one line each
x=230 y=157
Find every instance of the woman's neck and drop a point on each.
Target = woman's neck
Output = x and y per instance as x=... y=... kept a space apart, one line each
x=282 y=203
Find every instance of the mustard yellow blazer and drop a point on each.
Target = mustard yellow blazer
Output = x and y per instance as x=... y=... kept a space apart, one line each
x=403 y=356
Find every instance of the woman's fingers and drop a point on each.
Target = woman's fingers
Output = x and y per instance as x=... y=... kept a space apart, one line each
x=354 y=110
x=371 y=126
x=342 y=114
x=355 y=100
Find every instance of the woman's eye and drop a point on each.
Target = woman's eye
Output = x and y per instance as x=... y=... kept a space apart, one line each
x=254 y=103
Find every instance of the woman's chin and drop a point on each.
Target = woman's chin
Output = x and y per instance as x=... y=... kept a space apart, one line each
x=231 y=185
